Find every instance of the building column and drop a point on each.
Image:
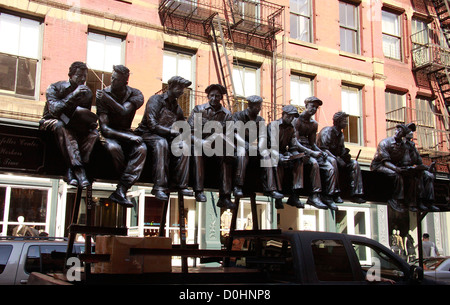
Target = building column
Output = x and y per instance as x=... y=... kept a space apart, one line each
x=209 y=223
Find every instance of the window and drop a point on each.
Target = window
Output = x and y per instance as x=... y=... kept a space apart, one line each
x=349 y=27
x=355 y=221
x=376 y=264
x=420 y=42
x=391 y=35
x=351 y=104
x=246 y=81
x=29 y=203
x=103 y=52
x=301 y=88
x=395 y=110
x=427 y=136
x=19 y=54
x=181 y=63
x=331 y=261
x=301 y=20
x=248 y=10
x=40 y=259
x=5 y=252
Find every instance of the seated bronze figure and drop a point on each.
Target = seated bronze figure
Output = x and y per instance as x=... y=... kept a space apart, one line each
x=116 y=108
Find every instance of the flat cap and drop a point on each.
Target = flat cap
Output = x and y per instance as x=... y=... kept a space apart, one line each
x=290 y=109
x=313 y=99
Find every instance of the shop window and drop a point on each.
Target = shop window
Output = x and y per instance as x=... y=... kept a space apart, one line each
x=355 y=221
x=103 y=52
x=29 y=203
x=331 y=261
x=19 y=54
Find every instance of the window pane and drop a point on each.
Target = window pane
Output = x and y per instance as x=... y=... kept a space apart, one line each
x=331 y=261
x=373 y=259
x=294 y=26
x=95 y=51
x=9 y=34
x=26 y=76
x=103 y=52
x=300 y=6
x=304 y=29
x=5 y=252
x=390 y=23
x=29 y=38
x=184 y=66
x=391 y=46
x=169 y=65
x=238 y=80
x=360 y=223
x=29 y=203
x=8 y=68
x=341 y=221
x=113 y=53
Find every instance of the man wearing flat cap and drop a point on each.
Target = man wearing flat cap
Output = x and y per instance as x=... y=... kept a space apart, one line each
x=161 y=112
x=212 y=111
x=390 y=159
x=305 y=130
x=331 y=140
x=424 y=175
x=287 y=156
x=254 y=104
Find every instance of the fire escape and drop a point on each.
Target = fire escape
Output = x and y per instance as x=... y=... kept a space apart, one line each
x=431 y=58
x=231 y=25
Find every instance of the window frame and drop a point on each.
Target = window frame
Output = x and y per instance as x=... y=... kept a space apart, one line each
x=189 y=92
x=359 y=118
x=347 y=28
x=308 y=18
x=37 y=58
x=301 y=79
x=398 y=36
x=101 y=78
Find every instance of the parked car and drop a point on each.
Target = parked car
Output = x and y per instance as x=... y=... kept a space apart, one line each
x=19 y=256
x=436 y=268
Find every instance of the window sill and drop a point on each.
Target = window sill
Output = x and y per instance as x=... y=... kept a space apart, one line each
x=303 y=43
x=352 y=55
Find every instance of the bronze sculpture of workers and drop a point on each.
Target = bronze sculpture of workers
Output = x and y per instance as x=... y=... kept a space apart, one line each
x=243 y=147
x=161 y=112
x=116 y=108
x=424 y=175
x=331 y=141
x=390 y=159
x=208 y=112
x=288 y=157
x=67 y=114
x=305 y=130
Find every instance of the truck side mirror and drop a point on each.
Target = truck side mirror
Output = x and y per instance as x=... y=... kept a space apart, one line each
x=416 y=273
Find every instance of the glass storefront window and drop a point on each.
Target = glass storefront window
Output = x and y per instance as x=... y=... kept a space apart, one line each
x=24 y=209
x=29 y=203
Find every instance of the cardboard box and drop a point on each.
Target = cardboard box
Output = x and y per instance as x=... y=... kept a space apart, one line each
x=121 y=262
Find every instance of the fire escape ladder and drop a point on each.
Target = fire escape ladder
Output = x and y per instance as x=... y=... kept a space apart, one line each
x=442 y=8
x=226 y=74
x=279 y=75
